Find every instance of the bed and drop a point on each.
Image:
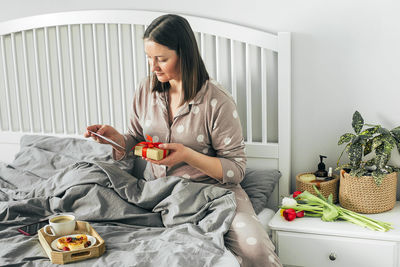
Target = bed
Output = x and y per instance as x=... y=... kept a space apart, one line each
x=61 y=72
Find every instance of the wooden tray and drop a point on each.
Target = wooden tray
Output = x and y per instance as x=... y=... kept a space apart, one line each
x=64 y=257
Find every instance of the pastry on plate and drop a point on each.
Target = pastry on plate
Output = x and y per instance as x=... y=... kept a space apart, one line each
x=68 y=243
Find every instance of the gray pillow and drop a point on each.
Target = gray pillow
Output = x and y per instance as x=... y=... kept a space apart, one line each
x=259 y=184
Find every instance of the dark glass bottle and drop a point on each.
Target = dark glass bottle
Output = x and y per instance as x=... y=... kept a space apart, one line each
x=321 y=173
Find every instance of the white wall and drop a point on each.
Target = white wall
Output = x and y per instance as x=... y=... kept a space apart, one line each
x=345 y=57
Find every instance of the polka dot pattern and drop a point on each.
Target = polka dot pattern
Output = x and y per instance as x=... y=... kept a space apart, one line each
x=187 y=176
x=214 y=102
x=251 y=241
x=271 y=258
x=195 y=109
x=238 y=159
x=240 y=224
x=230 y=173
x=200 y=138
x=180 y=129
x=226 y=152
x=227 y=140
x=147 y=123
x=235 y=114
x=205 y=150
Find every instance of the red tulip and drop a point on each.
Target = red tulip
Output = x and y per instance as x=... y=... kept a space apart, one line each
x=289 y=214
x=300 y=214
x=296 y=193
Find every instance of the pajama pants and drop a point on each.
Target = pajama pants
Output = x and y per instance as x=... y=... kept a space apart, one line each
x=246 y=238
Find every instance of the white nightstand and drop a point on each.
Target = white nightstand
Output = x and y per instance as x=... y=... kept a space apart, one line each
x=311 y=242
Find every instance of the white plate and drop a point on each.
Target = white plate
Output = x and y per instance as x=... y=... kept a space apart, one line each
x=89 y=237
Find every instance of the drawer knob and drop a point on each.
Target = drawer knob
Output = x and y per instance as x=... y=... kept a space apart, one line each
x=332 y=256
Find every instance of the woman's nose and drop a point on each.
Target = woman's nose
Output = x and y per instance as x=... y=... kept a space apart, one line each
x=154 y=65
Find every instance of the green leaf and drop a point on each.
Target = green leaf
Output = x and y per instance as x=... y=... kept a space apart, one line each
x=396 y=133
x=358 y=122
x=330 y=198
x=357 y=172
x=370 y=162
x=381 y=158
x=345 y=138
x=389 y=169
x=329 y=213
x=368 y=147
x=370 y=131
x=355 y=154
x=376 y=141
x=383 y=131
x=362 y=138
x=396 y=169
x=388 y=145
x=378 y=176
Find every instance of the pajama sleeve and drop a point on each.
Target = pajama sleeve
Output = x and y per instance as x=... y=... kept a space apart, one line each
x=134 y=134
x=227 y=140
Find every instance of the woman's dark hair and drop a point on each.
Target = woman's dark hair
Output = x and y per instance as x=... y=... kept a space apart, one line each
x=174 y=32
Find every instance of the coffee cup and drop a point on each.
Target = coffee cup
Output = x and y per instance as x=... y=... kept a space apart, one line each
x=63 y=224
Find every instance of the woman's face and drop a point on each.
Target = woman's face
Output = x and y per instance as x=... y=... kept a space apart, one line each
x=163 y=61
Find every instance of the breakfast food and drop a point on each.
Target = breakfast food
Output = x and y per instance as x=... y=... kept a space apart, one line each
x=73 y=243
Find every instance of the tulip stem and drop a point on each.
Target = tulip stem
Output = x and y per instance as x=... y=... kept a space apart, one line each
x=318 y=206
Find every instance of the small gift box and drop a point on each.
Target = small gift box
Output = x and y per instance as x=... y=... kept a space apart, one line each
x=150 y=150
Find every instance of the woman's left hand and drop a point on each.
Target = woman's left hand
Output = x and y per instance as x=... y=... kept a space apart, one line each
x=177 y=154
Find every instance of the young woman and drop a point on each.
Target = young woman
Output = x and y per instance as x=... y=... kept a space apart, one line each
x=179 y=105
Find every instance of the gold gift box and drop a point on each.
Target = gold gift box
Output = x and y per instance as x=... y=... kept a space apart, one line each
x=151 y=153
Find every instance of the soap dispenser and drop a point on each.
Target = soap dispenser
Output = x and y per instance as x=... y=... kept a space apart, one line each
x=321 y=174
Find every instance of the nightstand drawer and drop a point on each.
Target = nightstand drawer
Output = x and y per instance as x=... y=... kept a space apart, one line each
x=311 y=250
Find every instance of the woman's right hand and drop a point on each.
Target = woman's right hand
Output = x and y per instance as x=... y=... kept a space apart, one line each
x=106 y=131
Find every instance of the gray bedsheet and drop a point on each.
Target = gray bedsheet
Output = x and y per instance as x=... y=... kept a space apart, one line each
x=165 y=222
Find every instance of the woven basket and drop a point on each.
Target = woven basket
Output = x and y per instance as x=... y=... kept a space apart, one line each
x=326 y=188
x=361 y=194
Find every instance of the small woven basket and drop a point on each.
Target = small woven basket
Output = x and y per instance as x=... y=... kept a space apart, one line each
x=326 y=188
x=361 y=194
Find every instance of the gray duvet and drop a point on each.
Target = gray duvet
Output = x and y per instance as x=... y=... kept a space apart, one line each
x=165 y=222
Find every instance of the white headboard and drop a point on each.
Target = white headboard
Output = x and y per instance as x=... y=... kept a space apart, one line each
x=61 y=72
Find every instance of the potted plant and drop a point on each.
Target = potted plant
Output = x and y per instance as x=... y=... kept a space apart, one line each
x=368 y=183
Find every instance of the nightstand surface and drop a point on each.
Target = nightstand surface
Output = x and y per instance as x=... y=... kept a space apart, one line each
x=341 y=228
x=311 y=242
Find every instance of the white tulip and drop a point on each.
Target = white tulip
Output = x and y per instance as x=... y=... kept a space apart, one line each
x=289 y=202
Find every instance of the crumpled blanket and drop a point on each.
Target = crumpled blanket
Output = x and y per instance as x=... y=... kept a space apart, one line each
x=169 y=221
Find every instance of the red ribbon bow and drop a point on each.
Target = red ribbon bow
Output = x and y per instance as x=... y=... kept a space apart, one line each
x=150 y=144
